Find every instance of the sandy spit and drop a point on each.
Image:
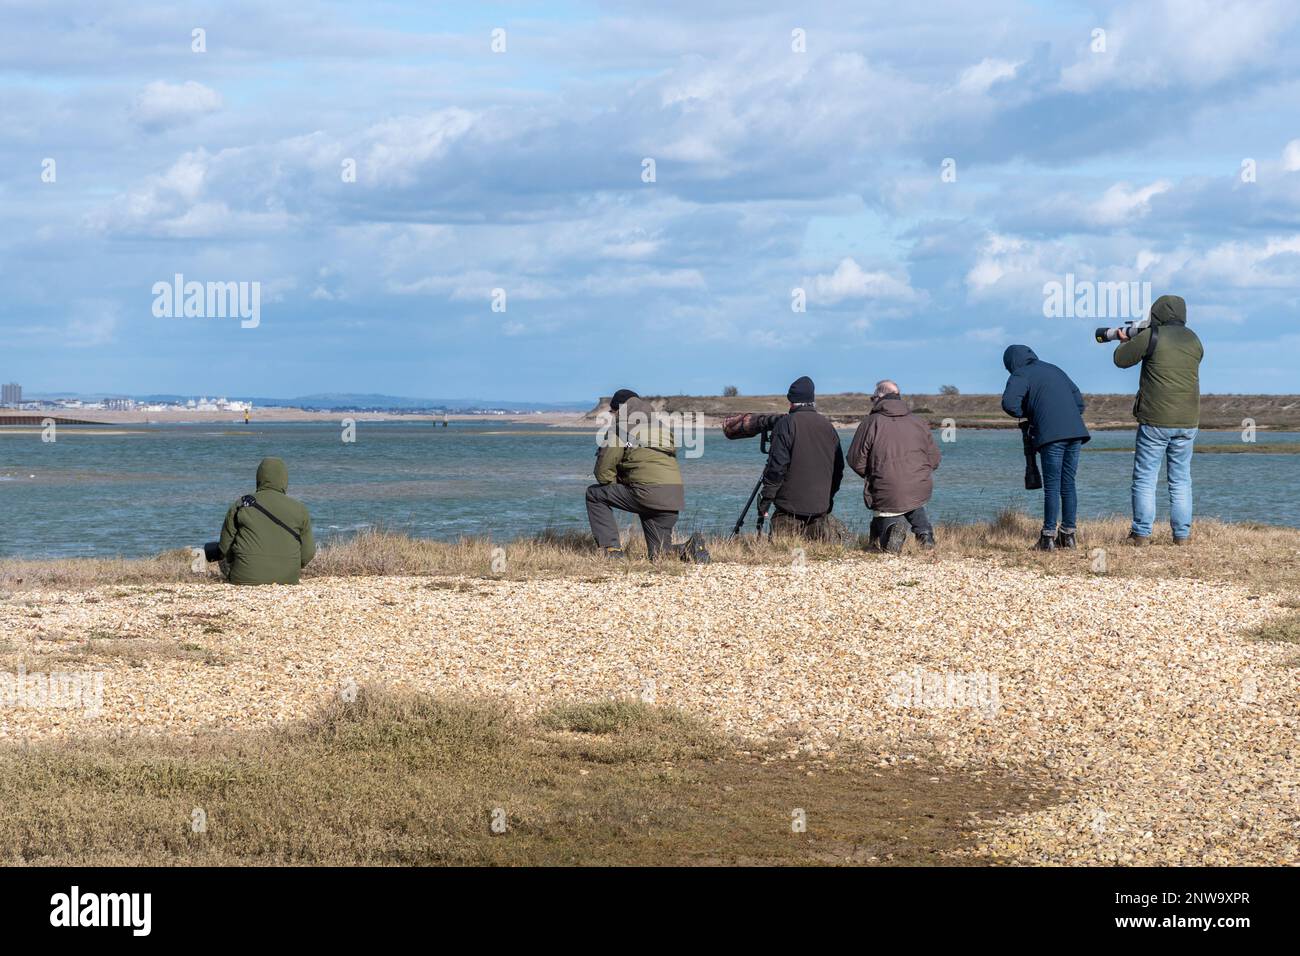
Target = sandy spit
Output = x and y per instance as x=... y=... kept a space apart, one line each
x=1175 y=738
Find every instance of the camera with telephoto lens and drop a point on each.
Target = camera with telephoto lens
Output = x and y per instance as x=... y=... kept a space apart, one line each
x=1130 y=329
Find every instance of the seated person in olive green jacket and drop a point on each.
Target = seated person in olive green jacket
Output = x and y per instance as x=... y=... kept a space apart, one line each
x=636 y=471
x=266 y=538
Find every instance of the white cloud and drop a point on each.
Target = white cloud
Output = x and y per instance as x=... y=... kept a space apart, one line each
x=978 y=78
x=1170 y=43
x=1291 y=156
x=161 y=104
x=1122 y=202
x=851 y=281
x=1271 y=264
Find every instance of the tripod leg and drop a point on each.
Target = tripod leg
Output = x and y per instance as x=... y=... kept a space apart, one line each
x=748 y=504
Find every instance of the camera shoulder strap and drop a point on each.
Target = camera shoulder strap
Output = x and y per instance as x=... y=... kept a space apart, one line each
x=249 y=501
x=1151 y=342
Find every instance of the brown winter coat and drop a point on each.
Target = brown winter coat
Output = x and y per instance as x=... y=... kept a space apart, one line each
x=895 y=452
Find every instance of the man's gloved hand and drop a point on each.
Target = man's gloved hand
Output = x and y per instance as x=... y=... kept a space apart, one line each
x=764 y=507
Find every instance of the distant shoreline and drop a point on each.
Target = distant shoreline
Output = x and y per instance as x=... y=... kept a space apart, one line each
x=1105 y=412
x=276 y=414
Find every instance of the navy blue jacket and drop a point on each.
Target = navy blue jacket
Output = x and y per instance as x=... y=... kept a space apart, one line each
x=1042 y=393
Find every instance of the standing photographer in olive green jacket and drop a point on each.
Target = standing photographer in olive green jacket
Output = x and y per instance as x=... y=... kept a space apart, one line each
x=1168 y=410
x=266 y=537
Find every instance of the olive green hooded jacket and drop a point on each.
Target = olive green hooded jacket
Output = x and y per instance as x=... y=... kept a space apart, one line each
x=1169 y=392
x=257 y=549
x=639 y=450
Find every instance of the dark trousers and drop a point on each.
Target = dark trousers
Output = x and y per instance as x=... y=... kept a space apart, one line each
x=657 y=526
x=823 y=527
x=1060 y=501
x=916 y=518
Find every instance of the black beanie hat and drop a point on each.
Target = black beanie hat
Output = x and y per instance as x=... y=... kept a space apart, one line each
x=621 y=396
x=801 y=392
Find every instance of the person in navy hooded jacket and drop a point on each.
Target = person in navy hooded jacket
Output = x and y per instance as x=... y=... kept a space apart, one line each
x=1045 y=395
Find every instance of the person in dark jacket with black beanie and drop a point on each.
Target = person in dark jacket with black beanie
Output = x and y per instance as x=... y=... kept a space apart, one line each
x=1045 y=395
x=804 y=468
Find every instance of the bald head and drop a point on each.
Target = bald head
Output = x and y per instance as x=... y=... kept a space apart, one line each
x=885 y=387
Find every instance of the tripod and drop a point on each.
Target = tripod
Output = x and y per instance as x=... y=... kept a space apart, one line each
x=764 y=442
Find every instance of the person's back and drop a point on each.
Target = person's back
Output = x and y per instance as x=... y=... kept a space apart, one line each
x=1052 y=403
x=643 y=456
x=1169 y=390
x=896 y=454
x=1044 y=394
x=1168 y=410
x=806 y=463
x=268 y=539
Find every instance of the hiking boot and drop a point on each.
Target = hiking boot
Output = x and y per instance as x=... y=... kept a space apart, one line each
x=1065 y=539
x=615 y=553
x=894 y=538
x=1182 y=541
x=1137 y=540
x=926 y=540
x=694 y=550
x=1046 y=542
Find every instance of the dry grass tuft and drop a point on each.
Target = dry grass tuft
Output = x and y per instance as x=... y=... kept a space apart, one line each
x=1260 y=556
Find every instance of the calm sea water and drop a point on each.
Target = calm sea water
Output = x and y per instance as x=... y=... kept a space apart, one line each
x=92 y=493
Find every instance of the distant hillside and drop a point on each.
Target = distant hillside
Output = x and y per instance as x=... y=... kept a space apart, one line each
x=1270 y=412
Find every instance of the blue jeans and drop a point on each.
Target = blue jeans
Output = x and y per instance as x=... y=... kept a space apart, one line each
x=1060 y=464
x=1174 y=447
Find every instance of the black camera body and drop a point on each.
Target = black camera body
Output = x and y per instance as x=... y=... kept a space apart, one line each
x=212 y=552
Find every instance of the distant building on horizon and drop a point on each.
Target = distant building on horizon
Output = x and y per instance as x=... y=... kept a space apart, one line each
x=11 y=394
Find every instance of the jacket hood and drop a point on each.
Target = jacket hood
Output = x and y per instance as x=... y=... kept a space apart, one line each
x=272 y=474
x=1018 y=356
x=1169 y=310
x=891 y=405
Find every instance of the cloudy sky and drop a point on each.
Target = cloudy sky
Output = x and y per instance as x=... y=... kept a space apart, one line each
x=795 y=146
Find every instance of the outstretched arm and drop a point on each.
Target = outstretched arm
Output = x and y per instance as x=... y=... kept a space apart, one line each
x=1130 y=353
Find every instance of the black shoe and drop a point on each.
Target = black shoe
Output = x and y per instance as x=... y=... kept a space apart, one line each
x=694 y=550
x=1065 y=539
x=615 y=553
x=926 y=540
x=1046 y=542
x=894 y=539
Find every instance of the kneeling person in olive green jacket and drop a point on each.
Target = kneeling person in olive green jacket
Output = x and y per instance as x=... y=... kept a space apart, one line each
x=636 y=471
x=266 y=538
